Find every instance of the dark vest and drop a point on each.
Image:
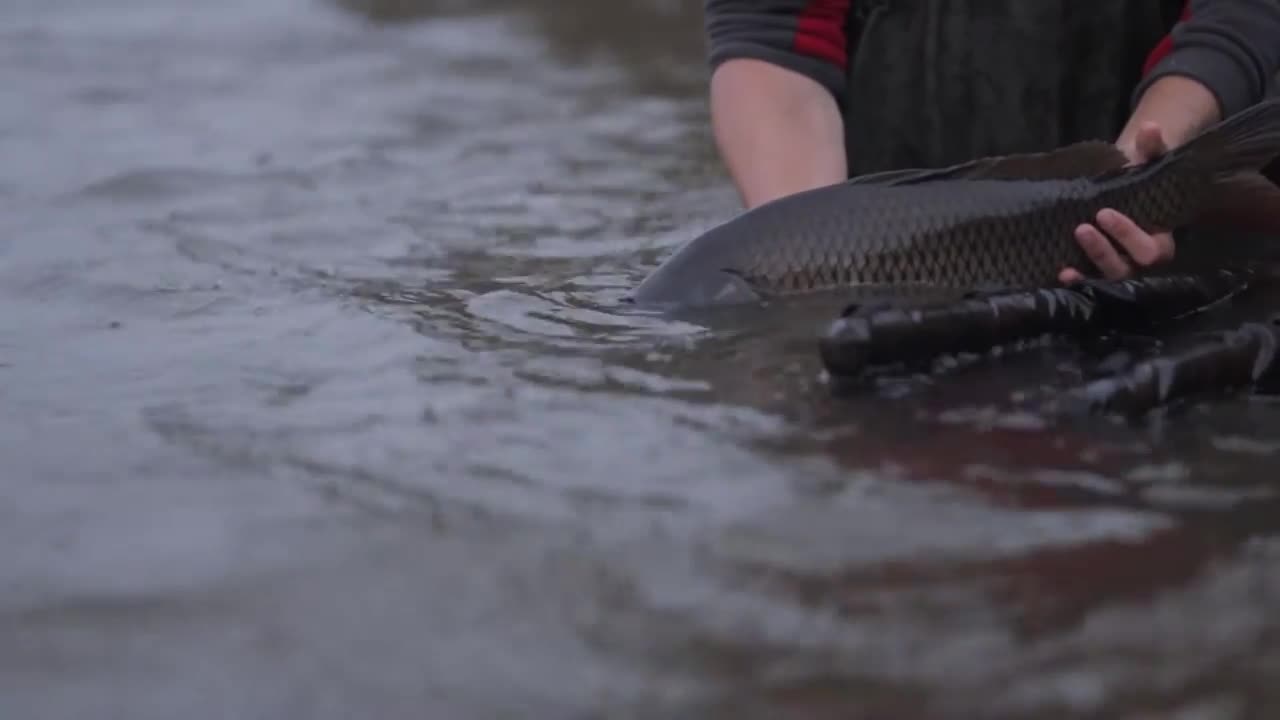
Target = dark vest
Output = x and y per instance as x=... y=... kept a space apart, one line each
x=936 y=82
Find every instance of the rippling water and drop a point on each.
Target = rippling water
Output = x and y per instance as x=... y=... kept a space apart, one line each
x=319 y=402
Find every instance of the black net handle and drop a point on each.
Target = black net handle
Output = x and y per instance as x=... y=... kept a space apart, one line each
x=864 y=339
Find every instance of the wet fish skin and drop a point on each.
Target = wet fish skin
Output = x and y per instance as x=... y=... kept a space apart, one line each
x=995 y=222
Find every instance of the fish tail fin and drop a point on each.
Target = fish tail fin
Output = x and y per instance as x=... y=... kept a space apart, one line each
x=1233 y=154
x=1246 y=201
x=1244 y=142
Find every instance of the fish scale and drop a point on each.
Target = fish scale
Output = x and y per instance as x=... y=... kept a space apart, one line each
x=994 y=222
x=949 y=237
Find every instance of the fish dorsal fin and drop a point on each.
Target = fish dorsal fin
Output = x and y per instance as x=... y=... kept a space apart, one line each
x=1080 y=160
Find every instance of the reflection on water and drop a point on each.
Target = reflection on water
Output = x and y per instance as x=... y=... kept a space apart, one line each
x=657 y=43
x=320 y=401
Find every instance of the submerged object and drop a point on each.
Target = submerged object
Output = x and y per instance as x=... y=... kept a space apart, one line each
x=1003 y=222
x=1230 y=360
x=863 y=339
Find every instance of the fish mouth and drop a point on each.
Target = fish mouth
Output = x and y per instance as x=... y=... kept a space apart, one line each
x=715 y=288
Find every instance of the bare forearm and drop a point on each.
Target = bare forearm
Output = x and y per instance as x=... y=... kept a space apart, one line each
x=1182 y=107
x=1228 y=46
x=1220 y=60
x=778 y=132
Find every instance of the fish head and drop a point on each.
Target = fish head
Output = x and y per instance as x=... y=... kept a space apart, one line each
x=705 y=272
x=679 y=286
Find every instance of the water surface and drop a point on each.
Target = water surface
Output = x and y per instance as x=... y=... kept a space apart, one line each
x=319 y=402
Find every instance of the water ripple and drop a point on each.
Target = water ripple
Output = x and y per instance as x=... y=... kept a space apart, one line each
x=314 y=357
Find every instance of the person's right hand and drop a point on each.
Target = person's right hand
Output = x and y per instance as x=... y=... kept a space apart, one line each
x=1142 y=247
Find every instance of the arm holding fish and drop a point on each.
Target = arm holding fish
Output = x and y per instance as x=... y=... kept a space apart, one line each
x=778 y=131
x=775 y=88
x=1219 y=61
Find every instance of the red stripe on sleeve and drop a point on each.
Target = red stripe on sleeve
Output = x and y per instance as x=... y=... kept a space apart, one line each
x=1162 y=49
x=820 y=31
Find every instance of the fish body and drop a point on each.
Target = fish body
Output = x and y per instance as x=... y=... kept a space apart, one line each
x=995 y=222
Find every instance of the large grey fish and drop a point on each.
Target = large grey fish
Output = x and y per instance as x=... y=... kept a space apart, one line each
x=1003 y=221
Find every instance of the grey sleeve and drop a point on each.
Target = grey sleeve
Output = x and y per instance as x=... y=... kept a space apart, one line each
x=805 y=36
x=1232 y=47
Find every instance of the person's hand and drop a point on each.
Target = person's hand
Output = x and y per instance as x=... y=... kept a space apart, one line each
x=1142 y=248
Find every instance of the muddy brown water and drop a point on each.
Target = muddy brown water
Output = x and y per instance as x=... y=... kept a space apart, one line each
x=318 y=402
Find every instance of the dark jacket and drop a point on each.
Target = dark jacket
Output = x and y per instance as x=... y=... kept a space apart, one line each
x=928 y=82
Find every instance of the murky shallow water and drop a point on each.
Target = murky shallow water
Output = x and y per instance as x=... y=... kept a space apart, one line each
x=318 y=403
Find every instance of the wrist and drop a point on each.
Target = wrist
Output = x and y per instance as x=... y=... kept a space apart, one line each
x=1180 y=105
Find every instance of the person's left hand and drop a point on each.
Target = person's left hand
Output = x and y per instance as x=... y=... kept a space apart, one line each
x=1143 y=248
